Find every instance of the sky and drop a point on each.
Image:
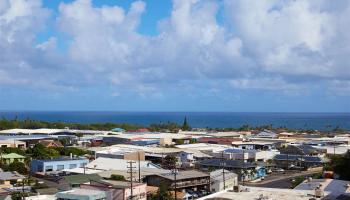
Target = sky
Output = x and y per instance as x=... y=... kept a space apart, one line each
x=179 y=55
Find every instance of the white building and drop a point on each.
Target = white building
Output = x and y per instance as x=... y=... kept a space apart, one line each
x=217 y=180
x=254 y=193
x=327 y=188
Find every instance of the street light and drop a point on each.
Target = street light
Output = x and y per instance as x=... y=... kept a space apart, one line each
x=175 y=171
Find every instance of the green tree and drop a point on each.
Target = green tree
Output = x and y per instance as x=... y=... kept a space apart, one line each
x=16 y=196
x=169 y=162
x=18 y=167
x=117 y=177
x=66 y=151
x=185 y=125
x=41 y=152
x=7 y=150
x=341 y=165
x=162 y=193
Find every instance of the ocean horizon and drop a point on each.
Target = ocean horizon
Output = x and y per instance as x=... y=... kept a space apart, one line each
x=292 y=120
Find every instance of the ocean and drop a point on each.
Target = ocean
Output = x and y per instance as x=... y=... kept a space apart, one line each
x=316 y=121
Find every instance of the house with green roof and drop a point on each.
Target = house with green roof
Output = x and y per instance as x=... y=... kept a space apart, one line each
x=12 y=157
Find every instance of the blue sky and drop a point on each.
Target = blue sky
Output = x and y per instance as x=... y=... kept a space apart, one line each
x=180 y=55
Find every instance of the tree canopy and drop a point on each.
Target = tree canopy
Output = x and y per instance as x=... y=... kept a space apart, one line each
x=341 y=165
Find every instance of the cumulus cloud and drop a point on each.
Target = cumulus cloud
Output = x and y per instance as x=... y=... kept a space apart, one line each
x=259 y=45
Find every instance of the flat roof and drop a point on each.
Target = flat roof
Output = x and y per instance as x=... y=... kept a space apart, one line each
x=81 y=192
x=253 y=193
x=184 y=175
x=61 y=159
x=331 y=187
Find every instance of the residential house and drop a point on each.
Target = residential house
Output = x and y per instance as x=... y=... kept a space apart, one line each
x=50 y=143
x=12 y=157
x=8 y=179
x=75 y=181
x=58 y=164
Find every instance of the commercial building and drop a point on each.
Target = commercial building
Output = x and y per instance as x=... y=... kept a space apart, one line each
x=326 y=188
x=185 y=180
x=222 y=179
x=260 y=193
x=244 y=170
x=287 y=161
x=59 y=164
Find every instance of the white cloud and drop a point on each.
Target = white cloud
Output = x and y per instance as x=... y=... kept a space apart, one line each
x=261 y=45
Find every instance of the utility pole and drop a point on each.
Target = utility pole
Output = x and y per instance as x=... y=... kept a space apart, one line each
x=138 y=156
x=175 y=171
x=244 y=171
x=131 y=172
x=223 y=169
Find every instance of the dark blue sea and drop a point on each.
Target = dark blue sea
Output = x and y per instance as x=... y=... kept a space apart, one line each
x=318 y=121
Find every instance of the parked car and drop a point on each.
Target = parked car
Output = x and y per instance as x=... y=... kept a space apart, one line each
x=192 y=193
x=278 y=170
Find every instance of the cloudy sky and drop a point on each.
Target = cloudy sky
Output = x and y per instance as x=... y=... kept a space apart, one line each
x=180 y=55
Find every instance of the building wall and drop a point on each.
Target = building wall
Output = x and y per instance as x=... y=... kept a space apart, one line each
x=140 y=192
x=218 y=185
x=135 y=155
x=14 y=144
x=11 y=160
x=166 y=141
x=111 y=193
x=45 y=166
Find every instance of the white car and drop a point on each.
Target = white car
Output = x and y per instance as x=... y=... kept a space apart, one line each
x=279 y=170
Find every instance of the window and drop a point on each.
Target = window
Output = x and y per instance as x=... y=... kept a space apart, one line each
x=49 y=168
x=72 y=166
x=82 y=164
x=60 y=167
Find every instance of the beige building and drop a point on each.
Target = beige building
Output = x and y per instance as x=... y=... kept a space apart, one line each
x=13 y=144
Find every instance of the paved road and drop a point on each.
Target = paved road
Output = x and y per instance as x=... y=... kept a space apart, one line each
x=280 y=180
